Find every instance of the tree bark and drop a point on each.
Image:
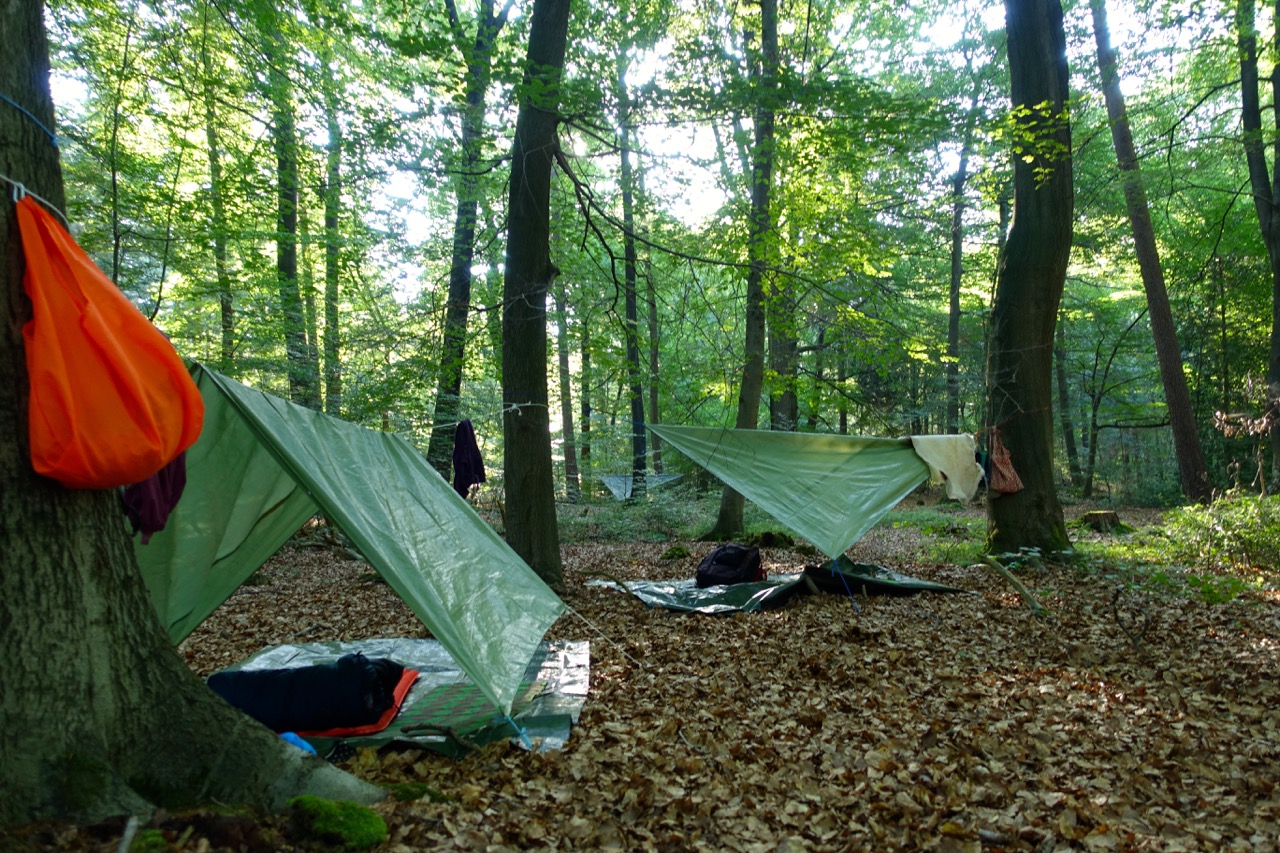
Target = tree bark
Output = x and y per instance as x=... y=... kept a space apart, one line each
x=572 y=482
x=226 y=299
x=284 y=137
x=100 y=715
x=1030 y=283
x=1186 y=439
x=584 y=392
x=729 y=520
x=958 y=182
x=479 y=60
x=1265 y=181
x=654 y=415
x=1064 y=405
x=332 y=245
x=631 y=301
x=531 y=510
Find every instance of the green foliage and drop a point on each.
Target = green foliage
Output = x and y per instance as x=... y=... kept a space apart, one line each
x=149 y=841
x=1238 y=533
x=954 y=538
x=337 y=823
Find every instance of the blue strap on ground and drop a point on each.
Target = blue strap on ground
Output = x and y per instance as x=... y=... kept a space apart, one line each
x=845 y=581
x=524 y=736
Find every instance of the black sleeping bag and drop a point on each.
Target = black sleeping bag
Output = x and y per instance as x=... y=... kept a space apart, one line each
x=351 y=691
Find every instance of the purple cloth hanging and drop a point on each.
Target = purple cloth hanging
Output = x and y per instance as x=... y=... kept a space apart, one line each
x=149 y=503
x=468 y=465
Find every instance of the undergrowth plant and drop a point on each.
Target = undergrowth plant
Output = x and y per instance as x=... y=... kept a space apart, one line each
x=1215 y=553
x=1238 y=533
x=953 y=538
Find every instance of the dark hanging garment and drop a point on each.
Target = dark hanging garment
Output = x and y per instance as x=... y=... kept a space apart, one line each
x=468 y=465
x=149 y=503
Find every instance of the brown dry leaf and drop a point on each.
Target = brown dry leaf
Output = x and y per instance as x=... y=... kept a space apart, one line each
x=950 y=723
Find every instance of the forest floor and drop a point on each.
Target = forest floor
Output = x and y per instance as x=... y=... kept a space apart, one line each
x=1127 y=720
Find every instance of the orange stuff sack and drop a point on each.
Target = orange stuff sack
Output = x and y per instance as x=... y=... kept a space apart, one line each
x=111 y=401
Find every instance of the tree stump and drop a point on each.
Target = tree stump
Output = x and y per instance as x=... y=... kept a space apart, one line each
x=1101 y=520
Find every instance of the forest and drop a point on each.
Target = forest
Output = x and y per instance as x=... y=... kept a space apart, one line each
x=313 y=200
x=1049 y=225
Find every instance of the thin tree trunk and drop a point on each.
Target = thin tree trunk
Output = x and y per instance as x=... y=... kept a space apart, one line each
x=584 y=428
x=1265 y=181
x=631 y=320
x=284 y=138
x=1030 y=283
x=572 y=484
x=1186 y=439
x=654 y=416
x=226 y=299
x=1064 y=405
x=651 y=302
x=819 y=378
x=532 y=529
x=958 y=182
x=332 y=247
x=479 y=60
x=729 y=520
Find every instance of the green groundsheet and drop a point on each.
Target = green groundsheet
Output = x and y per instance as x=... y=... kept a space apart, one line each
x=852 y=579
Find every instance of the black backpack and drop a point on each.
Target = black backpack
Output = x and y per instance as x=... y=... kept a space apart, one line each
x=730 y=564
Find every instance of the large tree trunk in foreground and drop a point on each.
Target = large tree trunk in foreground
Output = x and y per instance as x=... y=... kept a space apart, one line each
x=1031 y=280
x=1186 y=439
x=99 y=714
x=530 y=482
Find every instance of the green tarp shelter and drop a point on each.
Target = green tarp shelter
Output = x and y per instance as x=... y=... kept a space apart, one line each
x=830 y=489
x=263 y=466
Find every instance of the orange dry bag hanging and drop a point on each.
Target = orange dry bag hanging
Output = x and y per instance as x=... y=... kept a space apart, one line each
x=111 y=402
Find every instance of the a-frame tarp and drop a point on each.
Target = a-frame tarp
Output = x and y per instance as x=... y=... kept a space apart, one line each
x=830 y=489
x=264 y=465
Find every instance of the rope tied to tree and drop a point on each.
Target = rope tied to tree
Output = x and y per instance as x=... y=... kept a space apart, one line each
x=53 y=137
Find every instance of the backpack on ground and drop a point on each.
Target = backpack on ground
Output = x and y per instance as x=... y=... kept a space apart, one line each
x=729 y=564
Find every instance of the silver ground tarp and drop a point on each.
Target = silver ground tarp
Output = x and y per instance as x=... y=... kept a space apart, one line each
x=444 y=710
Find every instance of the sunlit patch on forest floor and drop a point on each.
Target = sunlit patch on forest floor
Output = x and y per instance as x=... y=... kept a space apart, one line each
x=1132 y=719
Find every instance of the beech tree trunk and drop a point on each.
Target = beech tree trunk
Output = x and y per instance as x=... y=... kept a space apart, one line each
x=99 y=714
x=1065 y=420
x=226 y=299
x=530 y=483
x=303 y=372
x=1186 y=439
x=332 y=245
x=572 y=482
x=479 y=61
x=631 y=322
x=1030 y=282
x=1264 y=178
x=729 y=520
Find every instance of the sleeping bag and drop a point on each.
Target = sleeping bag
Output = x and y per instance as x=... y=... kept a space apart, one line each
x=351 y=691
